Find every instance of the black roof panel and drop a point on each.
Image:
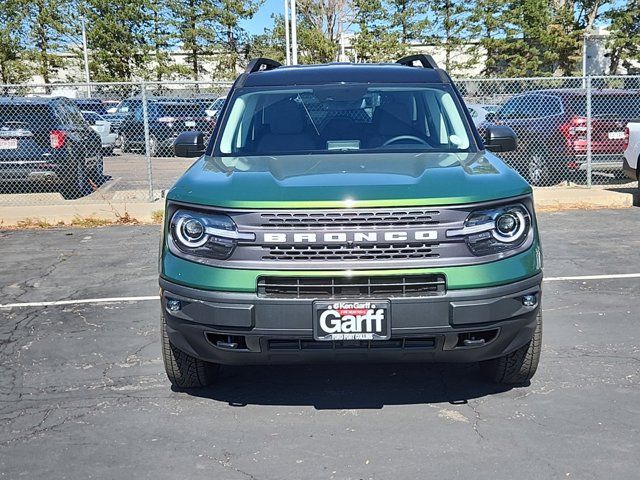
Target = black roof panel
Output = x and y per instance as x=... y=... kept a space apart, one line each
x=343 y=72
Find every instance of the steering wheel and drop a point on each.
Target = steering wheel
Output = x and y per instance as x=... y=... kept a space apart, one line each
x=405 y=137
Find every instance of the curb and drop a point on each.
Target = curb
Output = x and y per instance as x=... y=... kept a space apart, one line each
x=81 y=215
x=576 y=198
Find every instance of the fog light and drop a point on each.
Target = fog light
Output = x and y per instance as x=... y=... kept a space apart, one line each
x=173 y=305
x=529 y=300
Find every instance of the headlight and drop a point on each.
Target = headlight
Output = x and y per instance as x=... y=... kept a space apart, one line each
x=495 y=230
x=205 y=235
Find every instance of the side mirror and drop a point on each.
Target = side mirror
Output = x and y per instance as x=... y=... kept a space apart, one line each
x=490 y=117
x=112 y=110
x=500 y=138
x=189 y=144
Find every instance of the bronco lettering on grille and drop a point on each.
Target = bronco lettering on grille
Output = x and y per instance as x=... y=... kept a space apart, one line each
x=351 y=237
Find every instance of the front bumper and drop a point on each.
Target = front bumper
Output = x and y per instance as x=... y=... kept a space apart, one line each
x=599 y=162
x=242 y=328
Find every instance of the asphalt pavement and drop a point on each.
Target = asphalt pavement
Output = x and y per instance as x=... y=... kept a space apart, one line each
x=83 y=393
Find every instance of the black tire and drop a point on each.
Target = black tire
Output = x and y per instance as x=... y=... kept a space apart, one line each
x=154 y=149
x=539 y=172
x=183 y=370
x=124 y=145
x=517 y=367
x=75 y=183
x=97 y=173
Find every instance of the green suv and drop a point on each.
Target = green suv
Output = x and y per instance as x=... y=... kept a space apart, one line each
x=349 y=212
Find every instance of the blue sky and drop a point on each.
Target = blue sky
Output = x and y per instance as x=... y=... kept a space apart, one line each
x=262 y=19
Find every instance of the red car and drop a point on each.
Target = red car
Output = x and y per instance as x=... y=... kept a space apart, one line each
x=552 y=131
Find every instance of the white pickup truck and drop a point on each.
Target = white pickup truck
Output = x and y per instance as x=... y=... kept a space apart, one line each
x=632 y=150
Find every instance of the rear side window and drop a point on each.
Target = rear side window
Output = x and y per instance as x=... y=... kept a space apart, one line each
x=548 y=106
x=518 y=107
x=91 y=117
x=72 y=114
x=30 y=117
x=608 y=105
x=180 y=110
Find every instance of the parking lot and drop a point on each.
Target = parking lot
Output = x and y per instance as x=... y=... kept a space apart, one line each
x=126 y=178
x=83 y=392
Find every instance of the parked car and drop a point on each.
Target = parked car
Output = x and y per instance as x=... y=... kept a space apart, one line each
x=552 y=131
x=115 y=115
x=45 y=141
x=214 y=109
x=631 y=164
x=90 y=105
x=479 y=112
x=342 y=235
x=167 y=118
x=102 y=128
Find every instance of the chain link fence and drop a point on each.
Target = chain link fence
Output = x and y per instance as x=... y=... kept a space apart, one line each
x=112 y=142
x=98 y=143
x=569 y=129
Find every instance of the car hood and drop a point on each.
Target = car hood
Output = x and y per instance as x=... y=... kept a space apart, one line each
x=348 y=180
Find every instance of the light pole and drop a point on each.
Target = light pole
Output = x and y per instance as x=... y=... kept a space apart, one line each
x=294 y=34
x=286 y=31
x=86 y=57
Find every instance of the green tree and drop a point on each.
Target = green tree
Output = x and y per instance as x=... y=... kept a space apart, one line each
x=13 y=67
x=487 y=25
x=450 y=32
x=375 y=40
x=160 y=41
x=624 y=42
x=47 y=25
x=270 y=43
x=565 y=38
x=207 y=29
x=409 y=18
x=117 y=39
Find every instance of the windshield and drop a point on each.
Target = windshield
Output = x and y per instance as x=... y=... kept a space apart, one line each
x=339 y=118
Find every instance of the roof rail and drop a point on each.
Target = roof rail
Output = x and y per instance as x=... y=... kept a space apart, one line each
x=427 y=61
x=257 y=63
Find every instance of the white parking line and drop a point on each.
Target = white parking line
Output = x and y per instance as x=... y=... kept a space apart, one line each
x=156 y=297
x=592 y=277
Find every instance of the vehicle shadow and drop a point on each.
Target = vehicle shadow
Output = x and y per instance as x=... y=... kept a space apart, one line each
x=350 y=386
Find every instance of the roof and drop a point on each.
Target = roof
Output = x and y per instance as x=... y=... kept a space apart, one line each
x=30 y=100
x=344 y=72
x=580 y=91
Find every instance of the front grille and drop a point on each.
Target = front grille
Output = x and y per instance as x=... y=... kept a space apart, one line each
x=351 y=219
x=365 y=286
x=353 y=252
x=409 y=343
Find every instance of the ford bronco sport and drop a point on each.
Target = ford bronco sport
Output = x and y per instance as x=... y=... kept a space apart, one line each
x=349 y=212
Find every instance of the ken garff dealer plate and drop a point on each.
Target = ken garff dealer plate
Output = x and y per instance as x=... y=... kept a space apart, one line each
x=351 y=320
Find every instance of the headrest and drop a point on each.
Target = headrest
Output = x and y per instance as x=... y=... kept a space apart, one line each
x=284 y=117
x=394 y=116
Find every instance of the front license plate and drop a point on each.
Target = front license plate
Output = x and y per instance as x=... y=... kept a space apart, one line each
x=189 y=123
x=351 y=320
x=616 y=135
x=8 y=143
